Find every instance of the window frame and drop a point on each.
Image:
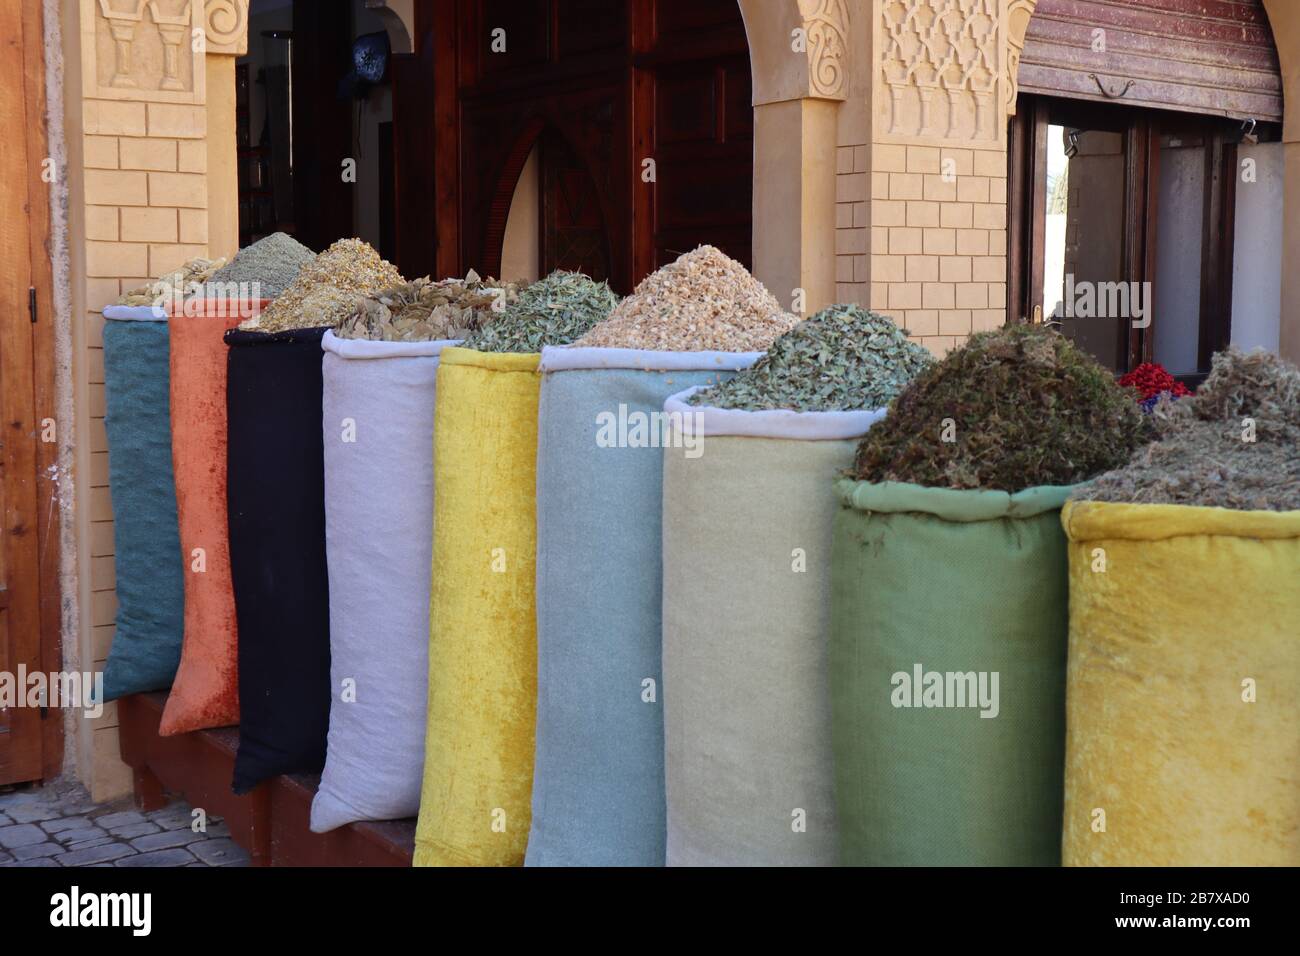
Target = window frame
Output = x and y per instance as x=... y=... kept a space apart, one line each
x=1143 y=130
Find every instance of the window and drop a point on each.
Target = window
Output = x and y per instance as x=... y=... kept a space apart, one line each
x=1122 y=229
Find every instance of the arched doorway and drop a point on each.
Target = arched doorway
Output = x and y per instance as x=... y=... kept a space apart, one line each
x=553 y=213
x=648 y=143
x=1146 y=188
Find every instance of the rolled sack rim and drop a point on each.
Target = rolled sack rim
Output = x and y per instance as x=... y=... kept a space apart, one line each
x=241 y=338
x=379 y=349
x=493 y=361
x=1135 y=521
x=951 y=504
x=134 y=313
x=561 y=358
x=708 y=420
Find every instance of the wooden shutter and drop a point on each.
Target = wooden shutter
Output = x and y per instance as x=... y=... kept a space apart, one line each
x=1202 y=56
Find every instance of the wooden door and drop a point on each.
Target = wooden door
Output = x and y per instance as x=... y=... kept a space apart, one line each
x=693 y=116
x=573 y=231
x=28 y=618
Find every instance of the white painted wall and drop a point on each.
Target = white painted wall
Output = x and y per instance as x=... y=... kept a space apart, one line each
x=1257 y=256
x=521 y=249
x=1180 y=214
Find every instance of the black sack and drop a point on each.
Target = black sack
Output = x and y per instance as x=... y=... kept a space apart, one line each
x=276 y=502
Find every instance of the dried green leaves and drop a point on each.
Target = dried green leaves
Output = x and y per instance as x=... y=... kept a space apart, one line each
x=553 y=311
x=1009 y=410
x=842 y=359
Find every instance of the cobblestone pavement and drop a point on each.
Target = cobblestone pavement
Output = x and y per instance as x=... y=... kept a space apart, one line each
x=59 y=825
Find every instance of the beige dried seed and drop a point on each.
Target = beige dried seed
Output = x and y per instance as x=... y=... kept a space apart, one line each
x=705 y=301
x=328 y=289
x=176 y=284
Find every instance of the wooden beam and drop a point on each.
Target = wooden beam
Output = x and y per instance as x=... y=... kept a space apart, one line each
x=45 y=396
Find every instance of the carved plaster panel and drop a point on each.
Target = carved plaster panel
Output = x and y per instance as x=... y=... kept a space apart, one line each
x=1018 y=14
x=941 y=71
x=226 y=24
x=143 y=50
x=826 y=28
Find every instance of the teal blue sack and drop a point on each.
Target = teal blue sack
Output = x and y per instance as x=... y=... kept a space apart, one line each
x=146 y=647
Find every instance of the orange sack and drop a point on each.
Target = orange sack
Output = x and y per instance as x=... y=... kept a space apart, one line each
x=206 y=690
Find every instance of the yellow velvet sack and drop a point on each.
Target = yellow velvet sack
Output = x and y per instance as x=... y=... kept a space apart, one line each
x=1183 y=686
x=475 y=805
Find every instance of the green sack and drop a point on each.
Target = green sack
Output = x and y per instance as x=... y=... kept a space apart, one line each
x=947 y=662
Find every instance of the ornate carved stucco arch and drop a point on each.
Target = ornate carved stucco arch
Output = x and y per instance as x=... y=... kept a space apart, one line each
x=799 y=53
x=789 y=65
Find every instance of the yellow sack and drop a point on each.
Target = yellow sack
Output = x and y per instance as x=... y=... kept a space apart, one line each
x=475 y=806
x=1196 y=610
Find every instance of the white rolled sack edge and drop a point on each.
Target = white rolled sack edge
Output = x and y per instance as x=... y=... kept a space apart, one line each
x=135 y=313
x=707 y=420
x=559 y=358
x=379 y=349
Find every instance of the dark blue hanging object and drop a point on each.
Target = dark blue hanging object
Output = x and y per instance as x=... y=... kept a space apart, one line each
x=370 y=55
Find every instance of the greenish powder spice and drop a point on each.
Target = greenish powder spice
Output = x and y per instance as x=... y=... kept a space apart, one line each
x=844 y=358
x=273 y=263
x=553 y=311
x=1011 y=409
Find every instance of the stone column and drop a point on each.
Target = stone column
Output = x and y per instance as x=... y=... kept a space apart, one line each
x=226 y=30
x=798 y=54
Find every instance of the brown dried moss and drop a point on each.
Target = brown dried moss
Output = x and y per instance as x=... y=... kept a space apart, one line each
x=1009 y=410
x=1205 y=455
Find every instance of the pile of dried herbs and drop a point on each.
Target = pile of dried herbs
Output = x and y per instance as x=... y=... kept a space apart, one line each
x=843 y=358
x=1009 y=410
x=173 y=286
x=705 y=301
x=552 y=311
x=1234 y=444
x=425 y=311
x=266 y=268
x=328 y=289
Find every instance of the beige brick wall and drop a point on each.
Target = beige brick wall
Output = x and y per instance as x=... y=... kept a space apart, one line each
x=852 y=224
x=939 y=239
x=142 y=195
x=921 y=229
x=921 y=236
x=145 y=207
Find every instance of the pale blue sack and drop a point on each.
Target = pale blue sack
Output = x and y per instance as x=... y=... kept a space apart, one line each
x=598 y=778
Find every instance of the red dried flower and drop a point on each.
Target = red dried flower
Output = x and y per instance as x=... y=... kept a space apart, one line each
x=1150 y=379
